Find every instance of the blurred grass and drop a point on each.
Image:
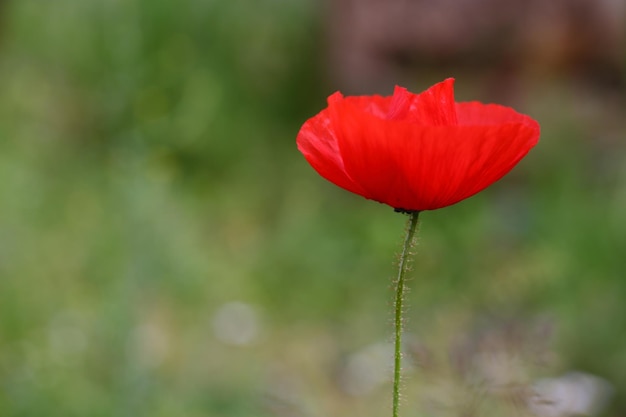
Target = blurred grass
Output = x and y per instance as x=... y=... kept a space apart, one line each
x=148 y=175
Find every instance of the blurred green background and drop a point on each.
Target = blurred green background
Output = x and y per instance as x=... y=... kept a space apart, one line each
x=166 y=251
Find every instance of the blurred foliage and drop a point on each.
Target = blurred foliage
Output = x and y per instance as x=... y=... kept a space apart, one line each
x=148 y=176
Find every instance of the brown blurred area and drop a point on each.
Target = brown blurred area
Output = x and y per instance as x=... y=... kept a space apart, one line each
x=374 y=44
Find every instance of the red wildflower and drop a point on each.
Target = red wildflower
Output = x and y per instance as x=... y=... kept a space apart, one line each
x=415 y=151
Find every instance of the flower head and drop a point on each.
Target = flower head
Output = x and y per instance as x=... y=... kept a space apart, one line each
x=415 y=152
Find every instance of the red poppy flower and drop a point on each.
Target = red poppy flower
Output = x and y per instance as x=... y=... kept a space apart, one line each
x=415 y=151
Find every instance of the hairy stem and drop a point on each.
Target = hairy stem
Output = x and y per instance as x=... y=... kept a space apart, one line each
x=402 y=268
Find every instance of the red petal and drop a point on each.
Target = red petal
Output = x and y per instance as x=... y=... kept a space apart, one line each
x=474 y=113
x=400 y=105
x=433 y=107
x=369 y=148
x=426 y=167
x=454 y=163
x=415 y=152
x=374 y=105
x=318 y=143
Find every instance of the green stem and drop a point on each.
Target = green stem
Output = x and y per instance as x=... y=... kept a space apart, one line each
x=402 y=268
